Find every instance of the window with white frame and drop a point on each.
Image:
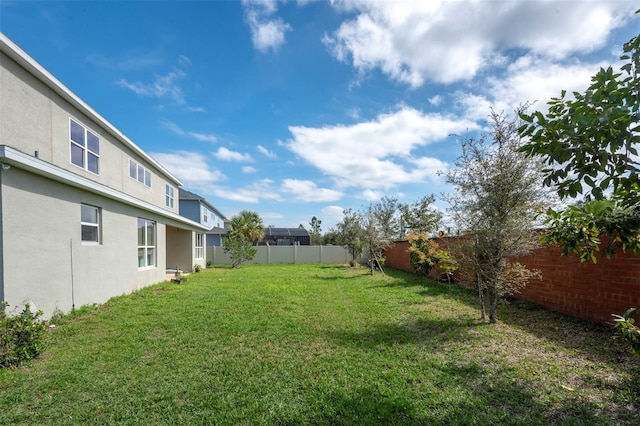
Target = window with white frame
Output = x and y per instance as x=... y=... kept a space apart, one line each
x=139 y=173
x=84 y=147
x=146 y=243
x=168 y=195
x=199 y=245
x=90 y=223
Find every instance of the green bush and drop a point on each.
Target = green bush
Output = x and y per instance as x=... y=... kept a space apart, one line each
x=21 y=336
x=626 y=329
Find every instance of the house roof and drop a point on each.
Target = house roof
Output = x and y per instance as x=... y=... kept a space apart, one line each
x=14 y=52
x=285 y=232
x=216 y=230
x=183 y=194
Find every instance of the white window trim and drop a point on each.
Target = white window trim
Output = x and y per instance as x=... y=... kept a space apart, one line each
x=169 y=196
x=96 y=225
x=145 y=172
x=146 y=246
x=85 y=149
x=199 y=248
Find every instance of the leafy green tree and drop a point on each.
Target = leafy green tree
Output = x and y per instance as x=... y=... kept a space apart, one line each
x=245 y=229
x=420 y=216
x=589 y=145
x=350 y=233
x=422 y=252
x=497 y=194
x=316 y=231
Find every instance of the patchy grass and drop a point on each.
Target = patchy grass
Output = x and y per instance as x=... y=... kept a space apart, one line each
x=317 y=344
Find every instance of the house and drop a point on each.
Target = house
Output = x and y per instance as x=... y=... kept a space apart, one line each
x=285 y=237
x=197 y=208
x=85 y=214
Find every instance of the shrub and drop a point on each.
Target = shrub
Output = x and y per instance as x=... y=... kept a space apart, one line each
x=21 y=336
x=627 y=330
x=197 y=268
x=422 y=252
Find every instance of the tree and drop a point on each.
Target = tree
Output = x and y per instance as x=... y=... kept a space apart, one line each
x=420 y=216
x=497 y=195
x=381 y=226
x=425 y=254
x=422 y=252
x=245 y=229
x=588 y=143
x=316 y=231
x=350 y=234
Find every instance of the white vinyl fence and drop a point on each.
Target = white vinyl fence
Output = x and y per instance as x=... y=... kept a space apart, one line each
x=286 y=254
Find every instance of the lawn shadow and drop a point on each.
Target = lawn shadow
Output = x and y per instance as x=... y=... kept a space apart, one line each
x=431 y=333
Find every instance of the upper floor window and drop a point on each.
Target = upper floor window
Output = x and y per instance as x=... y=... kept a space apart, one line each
x=139 y=173
x=85 y=147
x=168 y=195
x=90 y=223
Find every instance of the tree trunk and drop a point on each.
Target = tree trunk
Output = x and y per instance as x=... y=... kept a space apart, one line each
x=371 y=260
x=493 y=302
x=483 y=315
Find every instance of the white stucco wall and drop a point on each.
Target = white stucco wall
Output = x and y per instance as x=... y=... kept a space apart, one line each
x=37 y=119
x=45 y=261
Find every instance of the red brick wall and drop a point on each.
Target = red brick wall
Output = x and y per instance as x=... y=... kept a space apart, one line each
x=584 y=290
x=397 y=257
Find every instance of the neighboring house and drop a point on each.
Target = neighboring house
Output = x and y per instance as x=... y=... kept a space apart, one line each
x=197 y=208
x=85 y=214
x=215 y=236
x=285 y=237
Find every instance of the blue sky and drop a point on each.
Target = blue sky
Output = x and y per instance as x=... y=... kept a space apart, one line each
x=306 y=108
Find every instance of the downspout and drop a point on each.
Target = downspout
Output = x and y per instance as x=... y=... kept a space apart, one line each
x=73 y=296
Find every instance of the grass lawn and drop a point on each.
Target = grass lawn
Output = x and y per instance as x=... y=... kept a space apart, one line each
x=318 y=344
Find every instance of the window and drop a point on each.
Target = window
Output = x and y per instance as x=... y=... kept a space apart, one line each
x=90 y=223
x=146 y=243
x=85 y=147
x=139 y=173
x=168 y=195
x=199 y=245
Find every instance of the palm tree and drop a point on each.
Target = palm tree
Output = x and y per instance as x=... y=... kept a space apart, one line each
x=245 y=229
x=246 y=225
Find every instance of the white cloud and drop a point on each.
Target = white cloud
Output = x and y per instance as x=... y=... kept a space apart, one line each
x=248 y=170
x=190 y=167
x=528 y=79
x=266 y=32
x=306 y=190
x=204 y=137
x=378 y=154
x=270 y=215
x=371 y=195
x=259 y=190
x=163 y=87
x=443 y=41
x=436 y=100
x=228 y=155
x=128 y=61
x=334 y=212
x=264 y=151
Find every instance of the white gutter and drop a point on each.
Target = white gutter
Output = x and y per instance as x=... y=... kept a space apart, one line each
x=13 y=158
x=38 y=71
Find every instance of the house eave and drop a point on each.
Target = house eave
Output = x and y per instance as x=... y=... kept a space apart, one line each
x=12 y=157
